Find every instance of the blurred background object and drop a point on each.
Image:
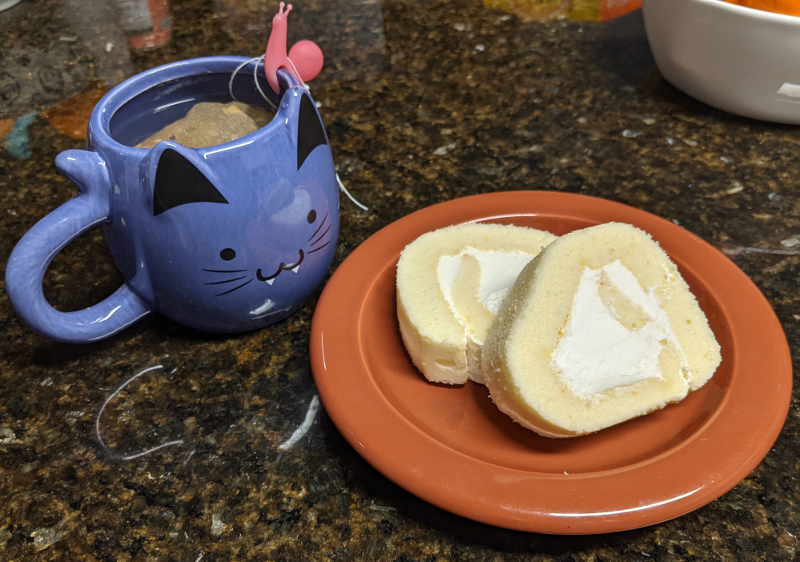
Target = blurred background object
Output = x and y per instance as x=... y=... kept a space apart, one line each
x=34 y=78
x=58 y=57
x=71 y=116
x=97 y=28
x=147 y=23
x=583 y=10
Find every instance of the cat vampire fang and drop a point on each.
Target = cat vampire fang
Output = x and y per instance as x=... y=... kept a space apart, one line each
x=283 y=267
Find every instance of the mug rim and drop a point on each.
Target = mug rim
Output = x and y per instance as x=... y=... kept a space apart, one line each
x=124 y=92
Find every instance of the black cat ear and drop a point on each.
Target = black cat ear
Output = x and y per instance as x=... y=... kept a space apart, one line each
x=178 y=182
x=310 y=133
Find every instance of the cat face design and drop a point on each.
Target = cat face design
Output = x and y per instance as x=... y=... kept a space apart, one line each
x=243 y=232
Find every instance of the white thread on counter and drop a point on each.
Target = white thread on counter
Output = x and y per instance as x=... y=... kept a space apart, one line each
x=109 y=399
x=353 y=199
x=188 y=457
x=304 y=427
x=736 y=250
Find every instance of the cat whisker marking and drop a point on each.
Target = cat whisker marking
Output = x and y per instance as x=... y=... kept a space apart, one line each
x=226 y=281
x=318 y=249
x=321 y=236
x=320 y=226
x=225 y=270
x=235 y=288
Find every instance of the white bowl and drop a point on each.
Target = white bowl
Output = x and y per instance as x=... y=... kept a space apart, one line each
x=737 y=59
x=6 y=4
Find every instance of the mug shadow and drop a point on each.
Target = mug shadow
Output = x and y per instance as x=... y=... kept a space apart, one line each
x=71 y=292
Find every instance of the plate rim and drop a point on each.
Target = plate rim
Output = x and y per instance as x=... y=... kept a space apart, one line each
x=348 y=405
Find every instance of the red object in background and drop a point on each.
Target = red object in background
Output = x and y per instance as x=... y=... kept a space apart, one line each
x=610 y=9
x=147 y=23
x=786 y=7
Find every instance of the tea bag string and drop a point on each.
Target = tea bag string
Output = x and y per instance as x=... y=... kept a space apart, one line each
x=297 y=75
x=258 y=60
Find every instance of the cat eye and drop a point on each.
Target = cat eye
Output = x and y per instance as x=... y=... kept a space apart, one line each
x=227 y=254
x=310 y=133
x=312 y=216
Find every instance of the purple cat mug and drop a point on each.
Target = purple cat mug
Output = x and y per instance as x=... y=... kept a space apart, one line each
x=227 y=238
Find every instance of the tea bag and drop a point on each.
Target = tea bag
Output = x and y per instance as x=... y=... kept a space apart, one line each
x=210 y=124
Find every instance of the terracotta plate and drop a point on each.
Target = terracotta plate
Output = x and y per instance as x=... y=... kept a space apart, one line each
x=451 y=447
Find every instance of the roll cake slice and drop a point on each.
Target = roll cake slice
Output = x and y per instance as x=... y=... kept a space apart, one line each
x=600 y=328
x=450 y=284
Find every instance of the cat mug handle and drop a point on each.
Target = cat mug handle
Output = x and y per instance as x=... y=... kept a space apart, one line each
x=34 y=252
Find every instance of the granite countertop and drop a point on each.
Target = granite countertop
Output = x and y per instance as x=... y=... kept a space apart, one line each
x=424 y=101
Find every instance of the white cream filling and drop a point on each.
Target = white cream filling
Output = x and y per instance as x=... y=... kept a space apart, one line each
x=596 y=352
x=499 y=270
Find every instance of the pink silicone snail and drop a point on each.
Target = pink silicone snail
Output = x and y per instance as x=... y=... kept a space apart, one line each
x=304 y=60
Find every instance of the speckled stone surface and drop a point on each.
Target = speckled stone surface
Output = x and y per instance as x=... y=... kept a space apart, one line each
x=424 y=101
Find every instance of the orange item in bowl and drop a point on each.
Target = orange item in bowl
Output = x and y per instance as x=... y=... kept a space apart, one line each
x=788 y=7
x=582 y=10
